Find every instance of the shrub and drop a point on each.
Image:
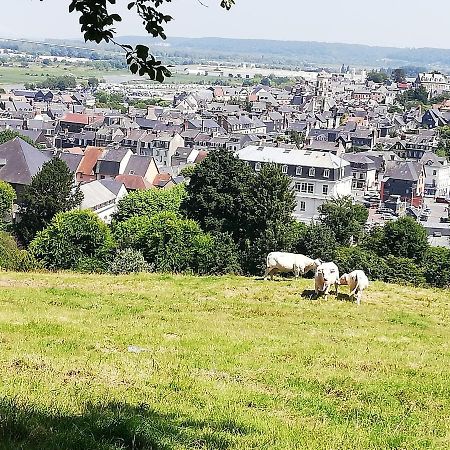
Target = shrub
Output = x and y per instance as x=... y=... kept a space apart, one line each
x=70 y=237
x=7 y=197
x=403 y=271
x=318 y=241
x=12 y=258
x=150 y=202
x=356 y=258
x=403 y=238
x=216 y=254
x=128 y=261
x=437 y=266
x=172 y=244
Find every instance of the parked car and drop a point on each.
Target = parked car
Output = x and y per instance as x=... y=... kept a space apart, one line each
x=442 y=200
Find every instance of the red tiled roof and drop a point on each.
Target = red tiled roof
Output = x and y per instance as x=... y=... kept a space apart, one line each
x=134 y=182
x=82 y=119
x=161 y=179
x=201 y=156
x=90 y=159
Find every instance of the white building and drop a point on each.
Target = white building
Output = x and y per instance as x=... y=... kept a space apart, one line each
x=102 y=196
x=434 y=83
x=437 y=175
x=316 y=176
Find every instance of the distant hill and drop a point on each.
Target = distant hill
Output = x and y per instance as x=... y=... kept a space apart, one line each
x=298 y=53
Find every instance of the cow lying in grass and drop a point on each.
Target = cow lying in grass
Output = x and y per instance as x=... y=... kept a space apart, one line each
x=357 y=281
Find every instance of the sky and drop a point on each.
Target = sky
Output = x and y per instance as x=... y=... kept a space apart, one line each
x=398 y=23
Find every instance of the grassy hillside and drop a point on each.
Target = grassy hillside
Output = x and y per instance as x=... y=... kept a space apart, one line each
x=172 y=362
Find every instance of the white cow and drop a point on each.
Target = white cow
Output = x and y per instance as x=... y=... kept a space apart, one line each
x=278 y=262
x=357 y=281
x=326 y=275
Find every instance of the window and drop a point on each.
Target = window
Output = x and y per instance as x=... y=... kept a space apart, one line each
x=434 y=172
x=298 y=170
x=325 y=189
x=304 y=187
x=302 y=206
x=310 y=188
x=258 y=166
x=312 y=172
x=326 y=173
x=297 y=187
x=284 y=169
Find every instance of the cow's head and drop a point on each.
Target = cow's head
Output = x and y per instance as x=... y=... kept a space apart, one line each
x=344 y=279
x=318 y=262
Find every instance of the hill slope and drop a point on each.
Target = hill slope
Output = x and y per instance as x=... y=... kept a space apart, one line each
x=172 y=362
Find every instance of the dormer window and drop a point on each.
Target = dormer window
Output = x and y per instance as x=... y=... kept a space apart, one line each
x=326 y=173
x=284 y=169
x=312 y=172
x=298 y=170
x=258 y=166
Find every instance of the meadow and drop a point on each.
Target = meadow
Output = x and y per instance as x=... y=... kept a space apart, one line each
x=182 y=362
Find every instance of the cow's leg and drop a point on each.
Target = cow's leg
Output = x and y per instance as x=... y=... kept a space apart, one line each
x=358 y=298
x=296 y=271
x=336 y=285
x=266 y=273
x=325 y=292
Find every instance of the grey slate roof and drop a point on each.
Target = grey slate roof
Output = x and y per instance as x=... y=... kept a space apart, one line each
x=404 y=170
x=72 y=160
x=23 y=161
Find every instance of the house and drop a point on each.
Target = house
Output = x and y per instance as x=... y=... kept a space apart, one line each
x=101 y=197
x=406 y=179
x=74 y=123
x=437 y=175
x=19 y=163
x=363 y=171
x=86 y=168
x=434 y=83
x=112 y=162
x=434 y=118
x=316 y=176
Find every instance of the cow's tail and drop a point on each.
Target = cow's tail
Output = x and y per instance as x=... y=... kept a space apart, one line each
x=356 y=287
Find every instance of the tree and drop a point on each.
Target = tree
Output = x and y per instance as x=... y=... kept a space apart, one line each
x=217 y=193
x=404 y=238
x=93 y=82
x=98 y=25
x=267 y=217
x=377 y=77
x=7 y=197
x=437 y=266
x=318 y=241
x=398 y=75
x=150 y=202
x=70 y=238
x=346 y=219
x=51 y=191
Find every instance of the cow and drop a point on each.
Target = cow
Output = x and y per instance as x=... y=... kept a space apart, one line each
x=326 y=275
x=357 y=281
x=281 y=262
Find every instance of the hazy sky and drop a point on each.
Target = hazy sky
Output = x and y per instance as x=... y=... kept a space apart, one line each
x=383 y=22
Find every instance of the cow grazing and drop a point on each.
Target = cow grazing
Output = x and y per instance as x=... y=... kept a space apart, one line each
x=280 y=262
x=357 y=281
x=326 y=275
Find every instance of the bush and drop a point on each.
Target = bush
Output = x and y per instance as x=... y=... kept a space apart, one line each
x=317 y=241
x=403 y=238
x=7 y=197
x=70 y=237
x=149 y=202
x=172 y=244
x=403 y=271
x=216 y=254
x=437 y=266
x=356 y=258
x=12 y=258
x=128 y=261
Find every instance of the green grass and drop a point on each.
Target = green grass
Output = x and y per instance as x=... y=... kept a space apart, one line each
x=38 y=72
x=228 y=363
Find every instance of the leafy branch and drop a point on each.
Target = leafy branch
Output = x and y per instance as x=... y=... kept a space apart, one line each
x=98 y=25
